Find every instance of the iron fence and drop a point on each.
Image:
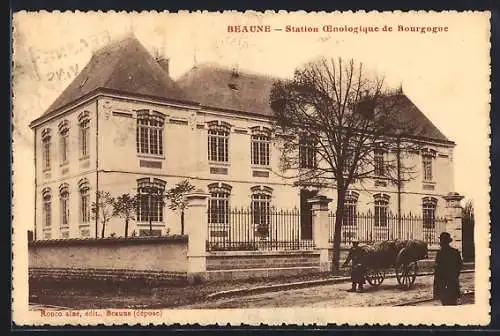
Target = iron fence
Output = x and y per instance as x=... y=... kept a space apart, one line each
x=255 y=228
x=372 y=227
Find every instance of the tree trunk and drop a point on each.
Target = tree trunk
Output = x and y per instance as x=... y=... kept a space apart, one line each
x=126 y=227
x=103 y=228
x=182 y=222
x=339 y=215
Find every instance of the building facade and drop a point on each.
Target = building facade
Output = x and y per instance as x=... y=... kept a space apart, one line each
x=124 y=126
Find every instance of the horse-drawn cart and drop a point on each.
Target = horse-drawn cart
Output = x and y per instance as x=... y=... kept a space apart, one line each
x=400 y=255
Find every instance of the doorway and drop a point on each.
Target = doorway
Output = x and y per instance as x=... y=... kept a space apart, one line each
x=306 y=213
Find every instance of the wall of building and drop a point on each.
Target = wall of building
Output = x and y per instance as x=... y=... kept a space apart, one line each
x=185 y=145
x=72 y=172
x=167 y=254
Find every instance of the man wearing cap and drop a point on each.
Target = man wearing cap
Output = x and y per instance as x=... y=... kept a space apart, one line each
x=447 y=272
x=358 y=269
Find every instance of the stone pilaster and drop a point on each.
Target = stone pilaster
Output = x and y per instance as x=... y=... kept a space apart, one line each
x=196 y=220
x=454 y=218
x=320 y=229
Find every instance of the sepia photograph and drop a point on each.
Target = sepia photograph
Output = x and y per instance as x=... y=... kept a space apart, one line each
x=278 y=167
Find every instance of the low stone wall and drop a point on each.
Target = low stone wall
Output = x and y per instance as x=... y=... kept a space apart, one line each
x=260 y=264
x=110 y=258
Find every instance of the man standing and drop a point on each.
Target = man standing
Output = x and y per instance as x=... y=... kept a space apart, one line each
x=447 y=272
x=358 y=269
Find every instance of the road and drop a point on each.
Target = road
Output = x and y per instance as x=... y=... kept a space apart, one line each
x=335 y=295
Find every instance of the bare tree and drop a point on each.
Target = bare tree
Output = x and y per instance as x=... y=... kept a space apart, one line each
x=176 y=196
x=125 y=206
x=102 y=210
x=332 y=119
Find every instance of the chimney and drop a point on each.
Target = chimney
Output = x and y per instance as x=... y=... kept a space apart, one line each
x=164 y=63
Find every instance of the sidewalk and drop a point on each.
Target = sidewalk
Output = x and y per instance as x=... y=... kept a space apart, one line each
x=300 y=284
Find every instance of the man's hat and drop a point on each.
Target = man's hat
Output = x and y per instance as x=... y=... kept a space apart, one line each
x=445 y=237
x=355 y=242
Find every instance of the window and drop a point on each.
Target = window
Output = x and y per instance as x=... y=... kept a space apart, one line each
x=46 y=149
x=64 y=201
x=84 y=138
x=427 y=158
x=218 y=141
x=150 y=200
x=261 y=210
x=429 y=212
x=84 y=188
x=381 y=209
x=149 y=135
x=378 y=164
x=260 y=146
x=47 y=207
x=350 y=207
x=64 y=141
x=307 y=153
x=218 y=207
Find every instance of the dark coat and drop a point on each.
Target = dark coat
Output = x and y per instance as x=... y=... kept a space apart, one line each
x=358 y=268
x=446 y=275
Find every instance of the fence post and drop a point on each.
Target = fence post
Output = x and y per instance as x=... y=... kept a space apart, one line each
x=196 y=220
x=454 y=218
x=320 y=226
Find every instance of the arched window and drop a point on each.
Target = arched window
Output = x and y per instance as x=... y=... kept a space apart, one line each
x=261 y=209
x=84 y=187
x=150 y=200
x=84 y=136
x=46 y=148
x=218 y=206
x=350 y=208
x=47 y=207
x=149 y=137
x=429 y=212
x=261 y=140
x=381 y=209
x=218 y=141
x=64 y=204
x=64 y=141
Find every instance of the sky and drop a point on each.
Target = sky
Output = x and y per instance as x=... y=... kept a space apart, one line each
x=446 y=74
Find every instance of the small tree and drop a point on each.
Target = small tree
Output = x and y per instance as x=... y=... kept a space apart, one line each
x=102 y=209
x=125 y=206
x=176 y=196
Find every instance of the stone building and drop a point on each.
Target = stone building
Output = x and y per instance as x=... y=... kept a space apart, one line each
x=125 y=126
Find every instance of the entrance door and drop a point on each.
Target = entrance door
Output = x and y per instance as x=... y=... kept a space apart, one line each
x=306 y=213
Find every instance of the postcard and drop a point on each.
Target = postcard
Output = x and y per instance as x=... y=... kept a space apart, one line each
x=251 y=167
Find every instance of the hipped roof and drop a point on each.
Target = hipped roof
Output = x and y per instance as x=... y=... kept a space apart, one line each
x=127 y=67
x=124 y=66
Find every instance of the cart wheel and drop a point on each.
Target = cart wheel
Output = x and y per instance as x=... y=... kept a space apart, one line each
x=375 y=277
x=406 y=274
